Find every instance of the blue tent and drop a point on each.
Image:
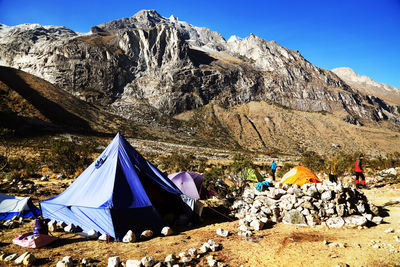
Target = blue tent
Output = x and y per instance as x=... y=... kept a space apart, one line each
x=119 y=191
x=11 y=206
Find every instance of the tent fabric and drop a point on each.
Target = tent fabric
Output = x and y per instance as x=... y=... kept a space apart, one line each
x=300 y=175
x=190 y=183
x=119 y=191
x=252 y=175
x=11 y=206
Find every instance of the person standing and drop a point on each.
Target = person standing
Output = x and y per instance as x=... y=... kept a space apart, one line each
x=273 y=170
x=358 y=169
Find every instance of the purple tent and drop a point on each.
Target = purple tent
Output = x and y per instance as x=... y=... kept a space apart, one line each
x=190 y=183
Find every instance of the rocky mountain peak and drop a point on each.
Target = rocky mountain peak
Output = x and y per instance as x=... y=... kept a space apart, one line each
x=148 y=18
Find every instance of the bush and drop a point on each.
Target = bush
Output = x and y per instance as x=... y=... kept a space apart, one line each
x=176 y=162
x=236 y=174
x=212 y=180
x=382 y=163
x=340 y=164
x=313 y=161
x=68 y=156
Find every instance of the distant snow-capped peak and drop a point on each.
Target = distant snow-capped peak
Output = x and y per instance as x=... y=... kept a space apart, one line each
x=234 y=38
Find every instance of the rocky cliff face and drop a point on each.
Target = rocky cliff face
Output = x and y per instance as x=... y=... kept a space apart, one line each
x=151 y=66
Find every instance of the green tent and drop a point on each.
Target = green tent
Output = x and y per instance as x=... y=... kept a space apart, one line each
x=252 y=175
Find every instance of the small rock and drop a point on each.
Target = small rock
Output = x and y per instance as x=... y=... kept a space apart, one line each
x=11 y=257
x=325 y=242
x=389 y=230
x=29 y=260
x=326 y=196
x=65 y=262
x=212 y=262
x=21 y=258
x=222 y=232
x=357 y=245
x=133 y=263
x=376 y=246
x=192 y=252
x=374 y=209
x=129 y=237
x=368 y=217
x=204 y=248
x=92 y=234
x=52 y=225
x=377 y=220
x=166 y=231
x=294 y=217
x=170 y=258
x=103 y=237
x=182 y=254
x=335 y=222
x=186 y=259
x=243 y=228
x=60 y=225
x=114 y=261
x=86 y=261
x=257 y=225
x=147 y=261
x=146 y=234
x=355 y=220
x=70 y=228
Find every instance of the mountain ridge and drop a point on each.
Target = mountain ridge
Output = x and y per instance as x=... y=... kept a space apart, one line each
x=150 y=68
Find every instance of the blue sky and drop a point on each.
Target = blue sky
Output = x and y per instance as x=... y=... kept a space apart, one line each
x=361 y=34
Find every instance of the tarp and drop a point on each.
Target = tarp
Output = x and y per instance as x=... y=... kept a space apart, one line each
x=252 y=175
x=300 y=175
x=190 y=183
x=119 y=191
x=11 y=206
x=30 y=240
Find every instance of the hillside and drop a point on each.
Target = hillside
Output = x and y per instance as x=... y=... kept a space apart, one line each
x=272 y=129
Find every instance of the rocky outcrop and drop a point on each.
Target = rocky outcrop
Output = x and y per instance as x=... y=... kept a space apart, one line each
x=148 y=65
x=368 y=86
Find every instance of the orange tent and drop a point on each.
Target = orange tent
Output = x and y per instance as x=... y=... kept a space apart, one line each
x=300 y=175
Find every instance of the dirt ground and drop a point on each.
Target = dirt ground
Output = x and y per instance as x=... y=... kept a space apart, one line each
x=279 y=245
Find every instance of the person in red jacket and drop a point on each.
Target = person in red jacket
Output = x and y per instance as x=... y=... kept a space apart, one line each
x=358 y=169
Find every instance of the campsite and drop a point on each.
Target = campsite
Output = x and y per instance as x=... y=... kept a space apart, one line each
x=87 y=202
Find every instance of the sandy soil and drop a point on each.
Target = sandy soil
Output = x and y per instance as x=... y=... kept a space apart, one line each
x=279 y=245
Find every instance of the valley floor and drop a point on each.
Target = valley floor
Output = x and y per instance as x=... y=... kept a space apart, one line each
x=280 y=245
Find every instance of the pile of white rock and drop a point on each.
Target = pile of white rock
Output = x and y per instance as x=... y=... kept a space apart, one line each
x=311 y=204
